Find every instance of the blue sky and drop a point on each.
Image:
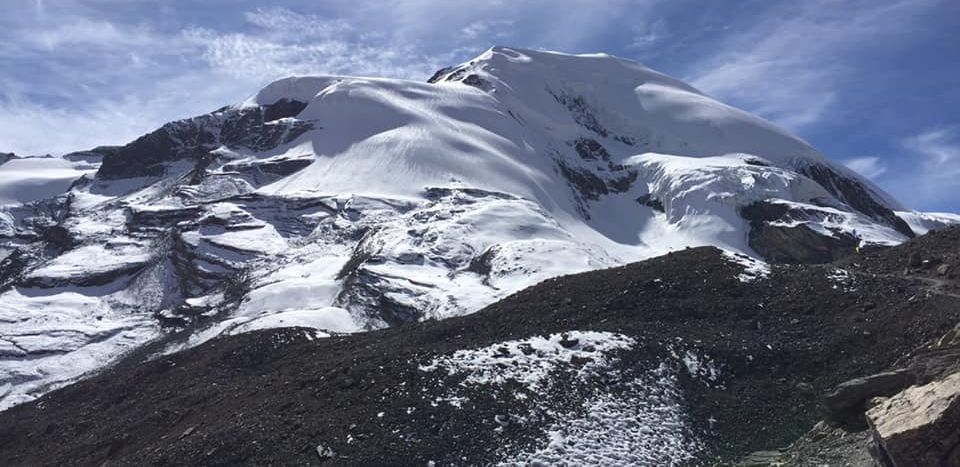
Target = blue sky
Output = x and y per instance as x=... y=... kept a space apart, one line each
x=875 y=84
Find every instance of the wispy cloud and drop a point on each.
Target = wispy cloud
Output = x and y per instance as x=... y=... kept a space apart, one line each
x=788 y=61
x=78 y=74
x=648 y=35
x=927 y=171
x=939 y=148
x=870 y=167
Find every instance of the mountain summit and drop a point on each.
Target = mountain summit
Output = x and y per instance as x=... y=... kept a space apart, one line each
x=345 y=203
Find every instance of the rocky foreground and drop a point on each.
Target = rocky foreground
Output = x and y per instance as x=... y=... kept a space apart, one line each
x=688 y=358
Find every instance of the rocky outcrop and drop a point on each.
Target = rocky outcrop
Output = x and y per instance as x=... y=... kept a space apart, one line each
x=856 y=195
x=15 y=264
x=919 y=426
x=651 y=202
x=799 y=244
x=93 y=156
x=57 y=237
x=590 y=149
x=847 y=401
x=256 y=128
x=265 y=171
x=779 y=234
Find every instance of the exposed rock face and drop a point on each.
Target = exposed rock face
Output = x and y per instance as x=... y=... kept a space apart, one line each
x=58 y=237
x=651 y=202
x=847 y=400
x=919 y=426
x=256 y=128
x=590 y=149
x=5 y=156
x=774 y=236
x=856 y=195
x=94 y=155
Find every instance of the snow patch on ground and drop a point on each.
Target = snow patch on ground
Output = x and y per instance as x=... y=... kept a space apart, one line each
x=331 y=319
x=530 y=361
x=842 y=279
x=623 y=421
x=642 y=425
x=753 y=269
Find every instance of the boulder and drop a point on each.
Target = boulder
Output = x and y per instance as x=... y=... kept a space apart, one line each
x=919 y=426
x=848 y=400
x=325 y=452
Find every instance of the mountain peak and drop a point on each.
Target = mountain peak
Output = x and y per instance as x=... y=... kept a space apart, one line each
x=348 y=203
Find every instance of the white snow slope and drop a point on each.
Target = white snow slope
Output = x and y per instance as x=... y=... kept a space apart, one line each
x=384 y=201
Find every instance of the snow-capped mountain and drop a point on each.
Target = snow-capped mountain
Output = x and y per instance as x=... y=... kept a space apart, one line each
x=345 y=203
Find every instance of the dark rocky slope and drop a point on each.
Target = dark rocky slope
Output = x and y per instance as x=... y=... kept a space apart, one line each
x=274 y=397
x=908 y=414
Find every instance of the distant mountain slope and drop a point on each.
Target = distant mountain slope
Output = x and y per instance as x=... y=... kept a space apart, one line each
x=346 y=204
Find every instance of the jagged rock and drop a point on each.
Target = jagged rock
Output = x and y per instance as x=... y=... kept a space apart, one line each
x=279 y=166
x=914 y=260
x=13 y=266
x=799 y=244
x=93 y=156
x=477 y=82
x=919 y=426
x=780 y=243
x=856 y=195
x=58 y=237
x=586 y=183
x=582 y=112
x=139 y=218
x=761 y=459
x=651 y=202
x=257 y=128
x=943 y=269
x=590 y=149
x=847 y=400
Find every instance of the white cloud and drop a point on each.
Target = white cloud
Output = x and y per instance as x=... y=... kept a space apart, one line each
x=31 y=128
x=940 y=147
x=647 y=35
x=268 y=57
x=788 y=64
x=482 y=29
x=287 y=22
x=870 y=167
x=928 y=171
